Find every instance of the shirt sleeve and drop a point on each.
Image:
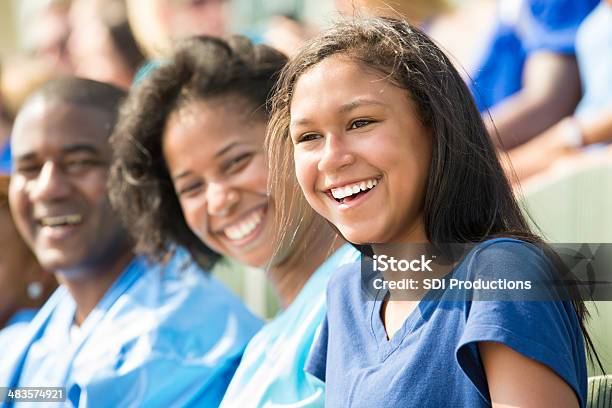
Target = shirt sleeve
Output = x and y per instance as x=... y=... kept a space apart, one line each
x=545 y=331
x=551 y=25
x=316 y=362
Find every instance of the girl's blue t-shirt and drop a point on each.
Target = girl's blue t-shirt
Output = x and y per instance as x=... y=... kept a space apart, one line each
x=433 y=360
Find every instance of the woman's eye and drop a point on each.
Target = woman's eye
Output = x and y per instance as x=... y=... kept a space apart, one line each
x=190 y=189
x=360 y=123
x=237 y=163
x=307 y=137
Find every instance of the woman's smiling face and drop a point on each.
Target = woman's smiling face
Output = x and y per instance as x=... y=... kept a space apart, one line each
x=361 y=153
x=214 y=156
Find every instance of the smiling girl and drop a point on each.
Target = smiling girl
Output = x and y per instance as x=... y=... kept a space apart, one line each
x=190 y=171
x=386 y=144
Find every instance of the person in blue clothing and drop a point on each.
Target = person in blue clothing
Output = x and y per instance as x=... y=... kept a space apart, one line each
x=190 y=170
x=120 y=330
x=530 y=51
x=591 y=122
x=375 y=127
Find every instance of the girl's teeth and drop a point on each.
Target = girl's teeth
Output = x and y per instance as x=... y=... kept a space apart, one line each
x=342 y=192
x=246 y=227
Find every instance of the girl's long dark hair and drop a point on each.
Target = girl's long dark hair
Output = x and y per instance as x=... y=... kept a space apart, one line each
x=468 y=198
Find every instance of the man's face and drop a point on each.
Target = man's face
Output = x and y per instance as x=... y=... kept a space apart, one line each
x=58 y=193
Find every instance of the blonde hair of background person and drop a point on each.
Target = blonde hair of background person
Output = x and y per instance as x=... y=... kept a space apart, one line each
x=156 y=23
x=23 y=283
x=415 y=11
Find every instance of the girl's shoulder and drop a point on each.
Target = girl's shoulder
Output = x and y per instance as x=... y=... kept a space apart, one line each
x=501 y=255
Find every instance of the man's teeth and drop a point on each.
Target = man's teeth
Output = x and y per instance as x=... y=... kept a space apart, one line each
x=244 y=227
x=72 y=219
x=346 y=191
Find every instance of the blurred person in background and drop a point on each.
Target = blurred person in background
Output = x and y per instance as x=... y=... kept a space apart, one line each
x=287 y=34
x=119 y=330
x=591 y=123
x=190 y=170
x=19 y=77
x=513 y=55
x=24 y=286
x=46 y=32
x=101 y=44
x=418 y=12
x=156 y=23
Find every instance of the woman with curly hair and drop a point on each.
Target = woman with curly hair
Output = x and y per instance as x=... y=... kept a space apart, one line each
x=190 y=171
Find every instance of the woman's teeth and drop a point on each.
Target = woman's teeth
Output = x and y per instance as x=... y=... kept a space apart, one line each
x=351 y=189
x=245 y=226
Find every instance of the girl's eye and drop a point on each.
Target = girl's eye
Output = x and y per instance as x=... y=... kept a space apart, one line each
x=190 y=189
x=356 y=124
x=237 y=163
x=307 y=137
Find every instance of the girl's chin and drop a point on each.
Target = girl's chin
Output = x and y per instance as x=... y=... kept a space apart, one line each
x=253 y=260
x=359 y=238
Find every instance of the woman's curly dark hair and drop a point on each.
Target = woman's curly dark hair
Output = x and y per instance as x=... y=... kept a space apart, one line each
x=140 y=186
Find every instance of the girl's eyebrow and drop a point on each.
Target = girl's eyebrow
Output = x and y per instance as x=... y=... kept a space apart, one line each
x=221 y=152
x=357 y=103
x=226 y=149
x=347 y=107
x=181 y=175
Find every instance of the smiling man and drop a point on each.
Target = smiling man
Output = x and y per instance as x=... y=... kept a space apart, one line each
x=118 y=330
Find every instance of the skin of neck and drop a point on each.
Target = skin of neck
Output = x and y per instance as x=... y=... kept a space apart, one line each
x=289 y=277
x=87 y=286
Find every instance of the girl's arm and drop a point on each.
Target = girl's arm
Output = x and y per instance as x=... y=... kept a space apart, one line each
x=518 y=381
